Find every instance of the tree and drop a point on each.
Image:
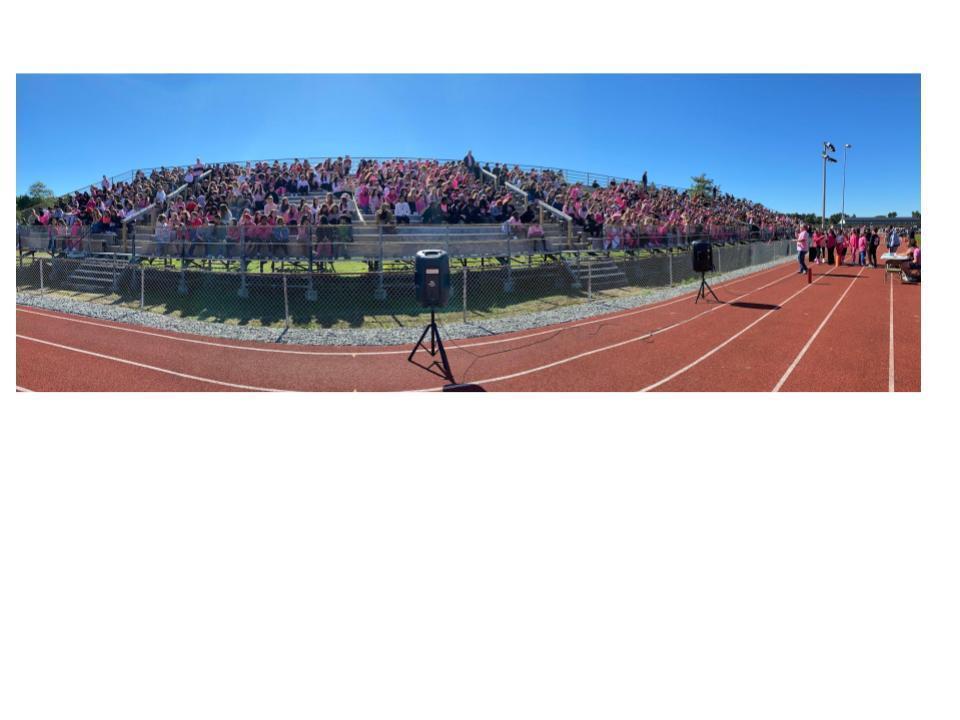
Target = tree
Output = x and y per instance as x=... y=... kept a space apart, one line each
x=39 y=191
x=915 y=214
x=702 y=185
x=892 y=214
x=835 y=219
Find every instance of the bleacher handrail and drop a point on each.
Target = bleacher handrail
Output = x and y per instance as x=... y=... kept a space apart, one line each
x=141 y=211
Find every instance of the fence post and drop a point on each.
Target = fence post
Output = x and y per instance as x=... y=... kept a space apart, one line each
x=182 y=286
x=670 y=266
x=311 y=291
x=464 y=293
x=286 y=303
x=508 y=283
x=113 y=274
x=142 y=283
x=41 y=276
x=589 y=281
x=381 y=292
x=243 y=291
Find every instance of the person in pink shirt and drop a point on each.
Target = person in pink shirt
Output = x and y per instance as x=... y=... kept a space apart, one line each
x=841 y=248
x=76 y=233
x=831 y=243
x=862 y=247
x=911 y=272
x=817 y=250
x=803 y=238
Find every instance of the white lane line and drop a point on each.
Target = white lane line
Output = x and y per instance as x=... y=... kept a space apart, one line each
x=732 y=337
x=144 y=366
x=373 y=353
x=890 y=361
x=23 y=389
x=644 y=336
x=796 y=360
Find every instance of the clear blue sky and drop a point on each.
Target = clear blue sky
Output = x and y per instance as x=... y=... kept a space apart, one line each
x=758 y=136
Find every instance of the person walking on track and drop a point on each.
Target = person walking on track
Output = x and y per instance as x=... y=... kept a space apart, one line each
x=841 y=247
x=803 y=240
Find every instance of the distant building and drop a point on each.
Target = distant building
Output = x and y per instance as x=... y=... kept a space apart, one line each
x=907 y=221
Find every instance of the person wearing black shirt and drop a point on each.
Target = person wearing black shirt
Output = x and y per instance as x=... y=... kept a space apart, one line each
x=874 y=243
x=432 y=214
x=471 y=164
x=471 y=213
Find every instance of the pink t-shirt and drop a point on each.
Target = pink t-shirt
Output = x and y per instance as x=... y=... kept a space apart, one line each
x=802 y=240
x=916 y=255
x=863 y=242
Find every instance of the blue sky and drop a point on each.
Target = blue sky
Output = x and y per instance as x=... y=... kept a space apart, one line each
x=757 y=136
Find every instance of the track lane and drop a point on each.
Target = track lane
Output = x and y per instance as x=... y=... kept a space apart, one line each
x=755 y=359
x=849 y=354
x=527 y=371
x=46 y=368
x=650 y=360
x=626 y=350
x=906 y=336
x=344 y=371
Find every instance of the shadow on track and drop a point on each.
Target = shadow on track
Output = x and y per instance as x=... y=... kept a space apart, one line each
x=466 y=387
x=754 y=306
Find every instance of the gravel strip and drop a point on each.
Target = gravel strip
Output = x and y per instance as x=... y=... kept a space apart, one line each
x=371 y=336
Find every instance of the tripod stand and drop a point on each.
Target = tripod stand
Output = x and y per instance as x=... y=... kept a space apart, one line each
x=436 y=345
x=705 y=286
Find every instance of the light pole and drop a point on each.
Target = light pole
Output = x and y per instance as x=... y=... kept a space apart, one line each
x=843 y=191
x=827 y=148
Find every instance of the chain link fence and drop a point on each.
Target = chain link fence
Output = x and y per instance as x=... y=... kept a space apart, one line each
x=260 y=292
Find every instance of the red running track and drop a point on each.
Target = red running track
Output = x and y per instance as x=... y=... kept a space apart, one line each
x=847 y=330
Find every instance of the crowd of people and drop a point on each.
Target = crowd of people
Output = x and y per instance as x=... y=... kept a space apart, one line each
x=855 y=246
x=266 y=195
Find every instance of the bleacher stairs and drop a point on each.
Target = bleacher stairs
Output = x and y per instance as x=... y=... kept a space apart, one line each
x=99 y=273
x=596 y=272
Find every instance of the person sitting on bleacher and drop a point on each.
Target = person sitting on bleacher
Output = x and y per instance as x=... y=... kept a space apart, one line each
x=911 y=272
x=433 y=214
x=535 y=231
x=402 y=210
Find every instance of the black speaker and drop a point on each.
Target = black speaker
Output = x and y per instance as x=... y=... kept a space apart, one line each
x=702 y=256
x=432 y=278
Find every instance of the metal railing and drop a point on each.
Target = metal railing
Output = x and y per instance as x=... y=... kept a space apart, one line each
x=314 y=297
x=129 y=219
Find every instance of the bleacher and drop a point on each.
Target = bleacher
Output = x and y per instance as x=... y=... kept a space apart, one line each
x=363 y=236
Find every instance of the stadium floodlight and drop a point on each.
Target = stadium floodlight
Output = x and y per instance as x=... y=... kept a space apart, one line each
x=843 y=190
x=827 y=148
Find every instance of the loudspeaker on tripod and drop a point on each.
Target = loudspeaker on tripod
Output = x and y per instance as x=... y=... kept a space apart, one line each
x=702 y=256
x=432 y=278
